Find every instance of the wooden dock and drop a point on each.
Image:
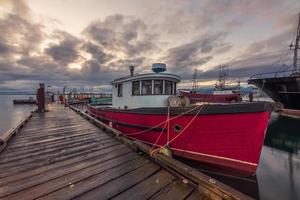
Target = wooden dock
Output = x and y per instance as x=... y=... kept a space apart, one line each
x=60 y=155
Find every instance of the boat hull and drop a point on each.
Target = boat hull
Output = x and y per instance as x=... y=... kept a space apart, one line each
x=285 y=90
x=231 y=137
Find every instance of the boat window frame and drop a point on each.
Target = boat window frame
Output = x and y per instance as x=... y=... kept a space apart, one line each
x=120 y=90
x=151 y=87
x=139 y=88
x=172 y=88
x=162 y=86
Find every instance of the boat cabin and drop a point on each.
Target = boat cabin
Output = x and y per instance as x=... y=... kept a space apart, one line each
x=144 y=90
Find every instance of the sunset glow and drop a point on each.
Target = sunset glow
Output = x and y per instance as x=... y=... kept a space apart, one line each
x=94 y=41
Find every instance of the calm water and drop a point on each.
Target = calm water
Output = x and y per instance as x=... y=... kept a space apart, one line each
x=11 y=114
x=278 y=175
x=279 y=170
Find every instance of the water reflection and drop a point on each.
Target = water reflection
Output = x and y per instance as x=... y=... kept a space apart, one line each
x=11 y=114
x=284 y=134
x=279 y=169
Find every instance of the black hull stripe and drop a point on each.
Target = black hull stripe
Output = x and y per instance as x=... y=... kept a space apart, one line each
x=210 y=109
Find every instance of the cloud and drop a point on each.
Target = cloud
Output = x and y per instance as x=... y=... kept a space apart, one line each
x=234 y=23
x=196 y=53
x=66 y=51
x=121 y=34
x=275 y=43
x=185 y=34
x=22 y=36
x=4 y=48
x=18 y=7
x=97 y=52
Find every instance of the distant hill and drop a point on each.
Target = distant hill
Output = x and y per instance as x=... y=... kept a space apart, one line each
x=17 y=93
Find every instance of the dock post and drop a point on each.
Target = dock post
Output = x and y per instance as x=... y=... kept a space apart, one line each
x=40 y=97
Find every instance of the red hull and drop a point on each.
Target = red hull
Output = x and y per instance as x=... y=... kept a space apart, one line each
x=230 y=140
x=215 y=98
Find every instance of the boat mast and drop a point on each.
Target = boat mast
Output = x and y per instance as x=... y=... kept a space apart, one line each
x=195 y=81
x=222 y=77
x=296 y=47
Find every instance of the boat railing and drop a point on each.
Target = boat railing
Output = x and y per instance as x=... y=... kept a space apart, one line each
x=283 y=73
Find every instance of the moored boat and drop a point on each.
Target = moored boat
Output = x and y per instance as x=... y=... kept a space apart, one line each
x=145 y=107
x=282 y=86
x=220 y=93
x=226 y=96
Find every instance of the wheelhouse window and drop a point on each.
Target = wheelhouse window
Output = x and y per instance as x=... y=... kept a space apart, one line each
x=175 y=88
x=158 y=86
x=147 y=87
x=168 y=87
x=135 y=87
x=120 y=90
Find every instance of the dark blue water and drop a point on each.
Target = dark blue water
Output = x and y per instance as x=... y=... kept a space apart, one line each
x=11 y=114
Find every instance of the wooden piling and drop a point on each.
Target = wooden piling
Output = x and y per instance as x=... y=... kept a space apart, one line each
x=40 y=97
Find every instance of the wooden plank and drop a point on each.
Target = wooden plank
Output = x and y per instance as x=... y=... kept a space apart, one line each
x=53 y=153
x=106 y=153
x=52 y=149
x=196 y=195
x=94 y=181
x=29 y=182
x=8 y=134
x=55 y=128
x=175 y=190
x=5 y=137
x=116 y=186
x=148 y=187
x=41 y=147
x=52 y=139
x=209 y=186
x=70 y=180
x=45 y=133
x=21 y=168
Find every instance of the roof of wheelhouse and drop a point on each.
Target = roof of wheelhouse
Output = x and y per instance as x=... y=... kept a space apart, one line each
x=158 y=68
x=174 y=77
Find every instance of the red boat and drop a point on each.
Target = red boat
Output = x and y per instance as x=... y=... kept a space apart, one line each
x=220 y=93
x=227 y=135
x=215 y=97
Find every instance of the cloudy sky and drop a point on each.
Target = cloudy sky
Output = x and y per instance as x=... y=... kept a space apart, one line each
x=87 y=43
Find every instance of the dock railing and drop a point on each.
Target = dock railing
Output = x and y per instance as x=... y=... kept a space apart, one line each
x=282 y=73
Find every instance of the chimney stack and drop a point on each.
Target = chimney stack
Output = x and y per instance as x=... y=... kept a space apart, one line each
x=131 y=68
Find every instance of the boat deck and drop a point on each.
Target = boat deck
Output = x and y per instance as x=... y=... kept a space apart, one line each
x=60 y=155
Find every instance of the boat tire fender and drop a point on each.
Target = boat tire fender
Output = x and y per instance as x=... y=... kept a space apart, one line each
x=185 y=101
x=174 y=101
